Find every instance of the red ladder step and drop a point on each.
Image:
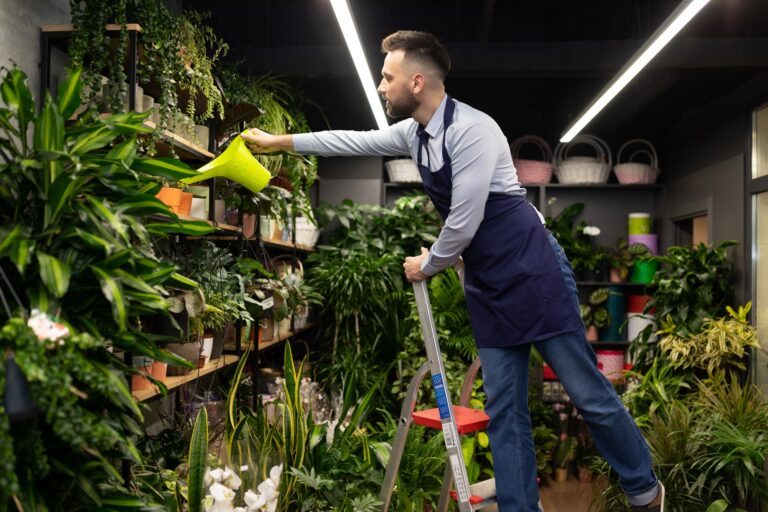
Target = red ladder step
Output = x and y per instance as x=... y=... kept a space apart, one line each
x=467 y=420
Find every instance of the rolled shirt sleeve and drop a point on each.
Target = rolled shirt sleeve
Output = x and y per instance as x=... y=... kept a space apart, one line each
x=474 y=158
x=391 y=141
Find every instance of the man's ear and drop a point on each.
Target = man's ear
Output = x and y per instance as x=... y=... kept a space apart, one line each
x=418 y=82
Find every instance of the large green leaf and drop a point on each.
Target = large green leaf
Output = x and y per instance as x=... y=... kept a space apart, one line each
x=94 y=138
x=101 y=210
x=49 y=128
x=89 y=239
x=62 y=190
x=113 y=291
x=193 y=228
x=69 y=93
x=182 y=282
x=17 y=96
x=125 y=152
x=198 y=450
x=167 y=168
x=141 y=204
x=7 y=238
x=54 y=273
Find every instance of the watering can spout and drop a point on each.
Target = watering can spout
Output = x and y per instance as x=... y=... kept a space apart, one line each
x=238 y=164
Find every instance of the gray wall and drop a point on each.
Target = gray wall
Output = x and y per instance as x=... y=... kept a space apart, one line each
x=20 y=23
x=705 y=173
x=355 y=178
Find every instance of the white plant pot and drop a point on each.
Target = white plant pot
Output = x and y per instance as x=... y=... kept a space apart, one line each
x=219 y=212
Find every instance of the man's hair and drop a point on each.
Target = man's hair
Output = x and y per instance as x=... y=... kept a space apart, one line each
x=420 y=46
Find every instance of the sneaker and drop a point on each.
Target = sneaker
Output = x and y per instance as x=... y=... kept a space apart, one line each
x=657 y=505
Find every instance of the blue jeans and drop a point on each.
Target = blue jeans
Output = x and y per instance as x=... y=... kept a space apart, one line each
x=505 y=380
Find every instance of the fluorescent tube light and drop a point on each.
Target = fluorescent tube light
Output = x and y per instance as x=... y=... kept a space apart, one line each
x=673 y=24
x=347 y=25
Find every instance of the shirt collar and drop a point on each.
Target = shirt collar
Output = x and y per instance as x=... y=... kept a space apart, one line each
x=436 y=122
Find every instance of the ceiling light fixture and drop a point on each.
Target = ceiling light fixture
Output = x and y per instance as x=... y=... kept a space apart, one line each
x=673 y=24
x=347 y=25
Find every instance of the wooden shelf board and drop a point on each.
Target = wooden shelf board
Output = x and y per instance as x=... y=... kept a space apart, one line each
x=267 y=344
x=174 y=382
x=217 y=225
x=287 y=245
x=190 y=149
x=68 y=27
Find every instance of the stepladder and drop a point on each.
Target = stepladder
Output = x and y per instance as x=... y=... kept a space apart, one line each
x=452 y=420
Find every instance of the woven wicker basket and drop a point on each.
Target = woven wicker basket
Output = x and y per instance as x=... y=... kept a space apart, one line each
x=583 y=169
x=403 y=170
x=635 y=173
x=532 y=171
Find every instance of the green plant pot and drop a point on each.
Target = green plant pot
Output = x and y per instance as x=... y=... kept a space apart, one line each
x=643 y=271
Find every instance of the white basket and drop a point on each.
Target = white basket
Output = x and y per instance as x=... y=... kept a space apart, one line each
x=306 y=232
x=635 y=173
x=403 y=170
x=583 y=169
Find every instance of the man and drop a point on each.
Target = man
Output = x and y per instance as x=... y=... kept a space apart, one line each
x=518 y=283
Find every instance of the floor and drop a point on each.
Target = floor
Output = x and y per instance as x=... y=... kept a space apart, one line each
x=568 y=496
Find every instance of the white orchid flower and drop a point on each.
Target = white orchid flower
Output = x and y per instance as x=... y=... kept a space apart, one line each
x=244 y=468
x=269 y=493
x=221 y=492
x=215 y=475
x=230 y=479
x=274 y=474
x=208 y=503
x=591 y=230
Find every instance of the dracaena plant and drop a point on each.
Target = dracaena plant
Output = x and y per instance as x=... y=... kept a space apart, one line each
x=75 y=244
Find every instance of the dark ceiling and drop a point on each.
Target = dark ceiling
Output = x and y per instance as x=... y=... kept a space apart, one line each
x=531 y=64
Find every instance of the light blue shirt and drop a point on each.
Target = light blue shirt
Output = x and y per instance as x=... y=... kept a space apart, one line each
x=480 y=160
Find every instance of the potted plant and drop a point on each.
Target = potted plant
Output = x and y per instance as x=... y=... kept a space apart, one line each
x=623 y=256
x=563 y=456
x=722 y=344
x=594 y=313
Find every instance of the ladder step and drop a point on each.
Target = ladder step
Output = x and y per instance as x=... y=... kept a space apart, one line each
x=481 y=492
x=467 y=420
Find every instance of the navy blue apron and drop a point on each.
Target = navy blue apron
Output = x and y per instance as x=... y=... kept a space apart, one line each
x=514 y=288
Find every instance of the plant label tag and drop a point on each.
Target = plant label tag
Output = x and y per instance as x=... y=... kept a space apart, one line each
x=268 y=303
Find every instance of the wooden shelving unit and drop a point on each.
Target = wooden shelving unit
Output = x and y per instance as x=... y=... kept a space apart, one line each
x=267 y=344
x=174 y=382
x=186 y=149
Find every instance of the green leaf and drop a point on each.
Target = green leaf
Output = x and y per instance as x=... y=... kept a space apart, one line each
x=62 y=190
x=193 y=228
x=54 y=274
x=90 y=240
x=167 y=168
x=17 y=96
x=69 y=93
x=113 y=292
x=49 y=128
x=182 y=282
x=198 y=449
x=105 y=213
x=125 y=152
x=93 y=139
x=7 y=238
x=141 y=204
x=718 y=506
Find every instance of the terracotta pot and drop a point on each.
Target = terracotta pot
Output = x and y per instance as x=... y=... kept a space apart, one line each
x=249 y=224
x=591 y=333
x=561 y=474
x=185 y=205
x=159 y=370
x=616 y=276
x=171 y=197
x=144 y=366
x=585 y=475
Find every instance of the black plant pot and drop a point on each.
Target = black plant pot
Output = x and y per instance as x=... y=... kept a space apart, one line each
x=163 y=325
x=219 y=338
x=19 y=405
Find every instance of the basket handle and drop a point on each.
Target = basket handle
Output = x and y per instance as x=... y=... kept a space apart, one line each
x=606 y=149
x=542 y=144
x=652 y=154
x=562 y=149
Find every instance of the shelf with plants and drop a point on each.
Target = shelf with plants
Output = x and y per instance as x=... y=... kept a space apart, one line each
x=174 y=382
x=184 y=148
x=188 y=218
x=264 y=345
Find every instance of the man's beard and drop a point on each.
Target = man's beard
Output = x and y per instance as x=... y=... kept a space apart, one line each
x=404 y=108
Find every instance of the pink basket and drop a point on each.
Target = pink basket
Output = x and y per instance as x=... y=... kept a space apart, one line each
x=532 y=171
x=634 y=173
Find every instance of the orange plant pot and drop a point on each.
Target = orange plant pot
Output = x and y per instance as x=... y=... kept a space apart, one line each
x=171 y=197
x=185 y=204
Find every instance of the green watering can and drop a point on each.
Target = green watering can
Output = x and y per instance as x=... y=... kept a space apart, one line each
x=238 y=164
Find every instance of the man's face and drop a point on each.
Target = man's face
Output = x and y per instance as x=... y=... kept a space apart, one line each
x=395 y=86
